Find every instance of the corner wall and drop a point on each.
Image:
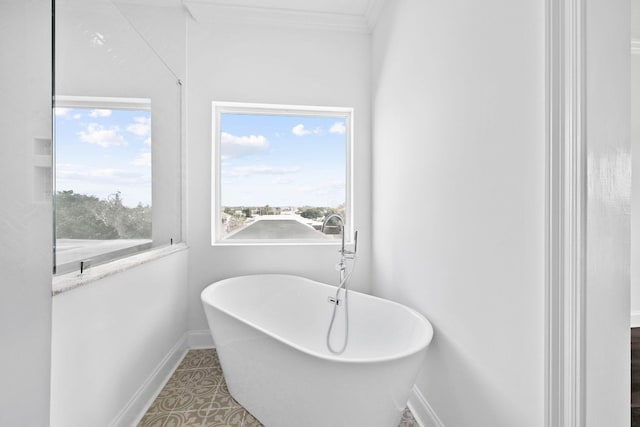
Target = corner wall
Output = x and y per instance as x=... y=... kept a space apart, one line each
x=270 y=64
x=25 y=212
x=459 y=198
x=109 y=337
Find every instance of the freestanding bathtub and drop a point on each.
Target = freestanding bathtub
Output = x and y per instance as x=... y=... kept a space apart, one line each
x=270 y=334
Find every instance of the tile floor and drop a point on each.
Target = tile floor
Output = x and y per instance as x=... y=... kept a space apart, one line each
x=197 y=396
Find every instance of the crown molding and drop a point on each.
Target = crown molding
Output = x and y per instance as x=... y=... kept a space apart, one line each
x=373 y=13
x=208 y=12
x=635 y=47
x=157 y=3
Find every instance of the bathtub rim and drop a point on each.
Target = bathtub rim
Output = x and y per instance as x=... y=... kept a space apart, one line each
x=413 y=350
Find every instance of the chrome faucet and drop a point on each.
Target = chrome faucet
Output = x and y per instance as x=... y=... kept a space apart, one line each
x=344 y=254
x=344 y=285
x=341 y=222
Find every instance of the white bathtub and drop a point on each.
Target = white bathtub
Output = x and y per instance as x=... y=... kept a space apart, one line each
x=270 y=334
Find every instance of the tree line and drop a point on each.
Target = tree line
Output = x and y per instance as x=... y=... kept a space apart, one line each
x=80 y=216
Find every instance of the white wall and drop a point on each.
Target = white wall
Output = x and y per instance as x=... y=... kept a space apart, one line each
x=109 y=336
x=635 y=148
x=276 y=65
x=110 y=49
x=607 y=129
x=25 y=213
x=459 y=146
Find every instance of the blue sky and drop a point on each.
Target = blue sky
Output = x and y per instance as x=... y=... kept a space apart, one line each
x=101 y=151
x=282 y=160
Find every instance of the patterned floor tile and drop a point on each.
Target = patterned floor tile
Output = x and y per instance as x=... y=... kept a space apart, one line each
x=191 y=400
x=179 y=379
x=227 y=417
x=153 y=420
x=205 y=377
x=223 y=399
x=407 y=419
x=196 y=395
x=165 y=401
x=210 y=359
x=251 y=421
x=185 y=419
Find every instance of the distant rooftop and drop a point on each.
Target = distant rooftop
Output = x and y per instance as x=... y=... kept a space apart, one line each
x=277 y=228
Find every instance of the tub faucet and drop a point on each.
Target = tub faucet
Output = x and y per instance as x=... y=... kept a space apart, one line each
x=344 y=253
x=340 y=222
x=344 y=285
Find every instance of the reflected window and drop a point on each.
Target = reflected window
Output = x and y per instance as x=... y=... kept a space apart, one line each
x=102 y=180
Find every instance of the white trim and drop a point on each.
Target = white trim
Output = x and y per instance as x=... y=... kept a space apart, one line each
x=291 y=18
x=218 y=108
x=154 y=3
x=635 y=319
x=69 y=281
x=566 y=215
x=137 y=406
x=422 y=411
x=102 y=102
x=200 y=339
x=635 y=47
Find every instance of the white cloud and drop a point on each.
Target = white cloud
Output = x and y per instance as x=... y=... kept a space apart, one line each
x=99 y=135
x=144 y=159
x=281 y=180
x=105 y=175
x=299 y=130
x=134 y=183
x=141 y=127
x=100 y=113
x=339 y=128
x=64 y=112
x=61 y=112
x=236 y=146
x=259 y=170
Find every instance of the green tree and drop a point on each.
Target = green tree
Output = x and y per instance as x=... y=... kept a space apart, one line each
x=79 y=216
x=312 y=213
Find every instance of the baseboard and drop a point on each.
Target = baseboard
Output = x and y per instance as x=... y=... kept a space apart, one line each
x=422 y=411
x=635 y=319
x=200 y=339
x=135 y=409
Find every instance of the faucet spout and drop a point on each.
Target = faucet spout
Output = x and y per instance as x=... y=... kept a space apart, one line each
x=341 y=222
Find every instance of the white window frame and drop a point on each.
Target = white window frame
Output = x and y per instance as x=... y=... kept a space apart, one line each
x=219 y=108
x=142 y=104
x=113 y=103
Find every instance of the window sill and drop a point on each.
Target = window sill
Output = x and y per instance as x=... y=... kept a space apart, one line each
x=67 y=282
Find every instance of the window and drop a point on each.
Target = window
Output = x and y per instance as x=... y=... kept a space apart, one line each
x=279 y=171
x=102 y=179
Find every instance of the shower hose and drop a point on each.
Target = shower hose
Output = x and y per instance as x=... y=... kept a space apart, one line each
x=344 y=284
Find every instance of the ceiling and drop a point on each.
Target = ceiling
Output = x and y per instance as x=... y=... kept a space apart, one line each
x=346 y=7
x=345 y=15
